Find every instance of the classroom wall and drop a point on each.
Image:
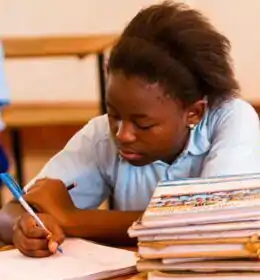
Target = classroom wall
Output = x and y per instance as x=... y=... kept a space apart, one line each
x=71 y=79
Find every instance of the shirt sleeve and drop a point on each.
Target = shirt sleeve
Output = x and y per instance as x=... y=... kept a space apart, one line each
x=77 y=163
x=235 y=142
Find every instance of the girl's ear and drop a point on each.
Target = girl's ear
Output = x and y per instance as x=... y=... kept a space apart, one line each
x=195 y=113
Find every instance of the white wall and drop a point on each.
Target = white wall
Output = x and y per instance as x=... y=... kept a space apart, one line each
x=70 y=79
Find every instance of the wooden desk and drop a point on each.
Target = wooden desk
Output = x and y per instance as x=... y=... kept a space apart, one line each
x=26 y=47
x=35 y=114
x=31 y=47
x=23 y=115
x=80 y=46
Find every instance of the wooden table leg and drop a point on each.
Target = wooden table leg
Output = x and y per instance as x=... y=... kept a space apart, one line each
x=103 y=109
x=17 y=154
x=102 y=82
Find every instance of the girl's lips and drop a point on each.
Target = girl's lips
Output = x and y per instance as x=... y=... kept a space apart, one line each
x=130 y=155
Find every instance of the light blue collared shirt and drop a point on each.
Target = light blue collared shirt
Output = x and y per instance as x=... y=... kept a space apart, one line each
x=225 y=142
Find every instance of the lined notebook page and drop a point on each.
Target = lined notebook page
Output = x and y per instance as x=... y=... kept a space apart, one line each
x=80 y=260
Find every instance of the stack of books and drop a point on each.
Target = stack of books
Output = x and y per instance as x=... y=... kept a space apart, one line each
x=201 y=229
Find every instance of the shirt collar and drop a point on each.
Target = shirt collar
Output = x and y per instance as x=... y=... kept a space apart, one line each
x=198 y=143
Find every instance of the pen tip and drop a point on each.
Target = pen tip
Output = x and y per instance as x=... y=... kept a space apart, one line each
x=60 y=250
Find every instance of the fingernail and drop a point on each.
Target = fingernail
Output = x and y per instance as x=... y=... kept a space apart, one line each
x=53 y=246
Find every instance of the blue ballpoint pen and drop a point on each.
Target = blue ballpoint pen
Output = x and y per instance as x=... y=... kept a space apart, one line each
x=17 y=193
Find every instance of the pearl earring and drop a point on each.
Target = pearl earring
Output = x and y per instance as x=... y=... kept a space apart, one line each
x=191 y=126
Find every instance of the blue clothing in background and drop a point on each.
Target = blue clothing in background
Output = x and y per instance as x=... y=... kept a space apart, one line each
x=4 y=99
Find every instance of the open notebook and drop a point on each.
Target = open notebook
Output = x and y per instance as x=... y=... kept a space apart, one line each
x=80 y=260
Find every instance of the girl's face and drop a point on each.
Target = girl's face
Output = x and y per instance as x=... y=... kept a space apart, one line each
x=146 y=124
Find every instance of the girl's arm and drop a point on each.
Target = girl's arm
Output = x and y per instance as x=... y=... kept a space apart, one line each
x=103 y=226
x=50 y=196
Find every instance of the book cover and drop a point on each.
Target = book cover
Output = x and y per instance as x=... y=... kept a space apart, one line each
x=139 y=231
x=238 y=196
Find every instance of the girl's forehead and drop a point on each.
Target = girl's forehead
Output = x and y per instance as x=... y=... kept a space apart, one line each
x=133 y=87
x=118 y=78
x=132 y=96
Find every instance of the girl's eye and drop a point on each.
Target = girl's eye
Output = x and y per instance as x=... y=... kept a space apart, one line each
x=144 y=127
